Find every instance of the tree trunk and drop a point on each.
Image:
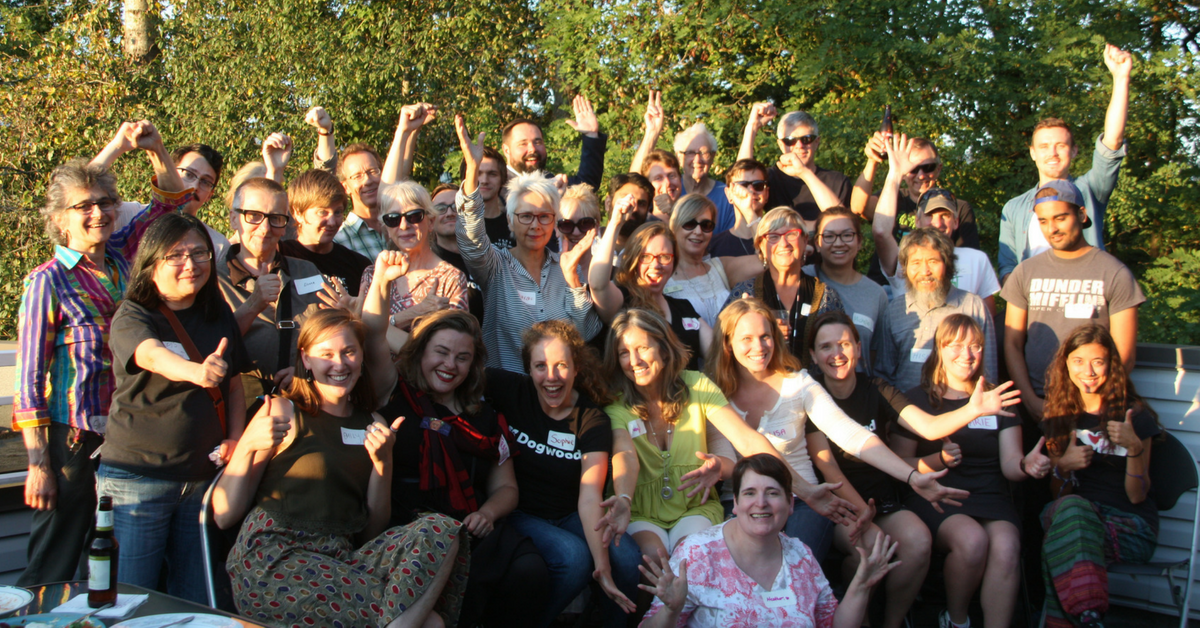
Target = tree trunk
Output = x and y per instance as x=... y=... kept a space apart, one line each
x=138 y=40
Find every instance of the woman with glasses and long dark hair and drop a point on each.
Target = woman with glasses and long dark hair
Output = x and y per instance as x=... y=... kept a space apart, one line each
x=178 y=408
x=704 y=281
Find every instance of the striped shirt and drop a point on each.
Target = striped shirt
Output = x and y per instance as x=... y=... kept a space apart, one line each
x=512 y=299
x=64 y=366
x=358 y=236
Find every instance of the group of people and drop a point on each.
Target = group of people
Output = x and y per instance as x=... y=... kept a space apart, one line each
x=466 y=405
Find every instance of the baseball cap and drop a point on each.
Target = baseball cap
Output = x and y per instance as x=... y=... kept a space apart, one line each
x=937 y=200
x=1065 y=192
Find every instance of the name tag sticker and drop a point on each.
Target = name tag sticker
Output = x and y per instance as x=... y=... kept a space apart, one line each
x=1079 y=310
x=988 y=422
x=691 y=324
x=783 y=432
x=528 y=298
x=353 y=437
x=636 y=428
x=779 y=598
x=561 y=440
x=805 y=309
x=309 y=285
x=177 y=349
x=673 y=288
x=862 y=320
x=920 y=355
x=504 y=452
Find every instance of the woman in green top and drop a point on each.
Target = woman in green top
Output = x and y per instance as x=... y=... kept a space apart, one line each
x=663 y=475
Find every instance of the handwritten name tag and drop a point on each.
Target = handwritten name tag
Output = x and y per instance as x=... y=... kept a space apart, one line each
x=779 y=598
x=309 y=285
x=988 y=422
x=783 y=432
x=636 y=428
x=176 y=348
x=528 y=298
x=561 y=440
x=353 y=437
x=920 y=355
x=1079 y=310
x=690 y=324
x=862 y=320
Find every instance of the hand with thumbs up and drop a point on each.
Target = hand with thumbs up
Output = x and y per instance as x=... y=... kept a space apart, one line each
x=267 y=287
x=1122 y=434
x=1037 y=464
x=268 y=428
x=951 y=453
x=211 y=372
x=379 y=442
x=1077 y=456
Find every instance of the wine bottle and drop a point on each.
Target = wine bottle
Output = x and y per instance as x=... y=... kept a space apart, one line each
x=102 y=558
x=885 y=128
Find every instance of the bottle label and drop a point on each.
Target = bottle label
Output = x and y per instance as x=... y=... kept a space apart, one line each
x=98 y=573
x=104 y=520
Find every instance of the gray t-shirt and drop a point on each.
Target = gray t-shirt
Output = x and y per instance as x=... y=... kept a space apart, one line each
x=864 y=303
x=1059 y=295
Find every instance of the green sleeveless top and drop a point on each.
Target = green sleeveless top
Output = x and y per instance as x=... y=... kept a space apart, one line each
x=319 y=483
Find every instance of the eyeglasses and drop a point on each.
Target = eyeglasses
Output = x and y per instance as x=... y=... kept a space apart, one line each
x=705 y=225
x=105 y=204
x=958 y=348
x=180 y=259
x=664 y=259
x=792 y=236
x=928 y=168
x=441 y=208
x=757 y=185
x=703 y=153
x=803 y=139
x=583 y=225
x=277 y=221
x=359 y=177
x=527 y=218
x=392 y=220
x=834 y=238
x=204 y=183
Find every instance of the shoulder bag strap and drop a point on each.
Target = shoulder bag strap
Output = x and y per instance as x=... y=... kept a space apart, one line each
x=194 y=354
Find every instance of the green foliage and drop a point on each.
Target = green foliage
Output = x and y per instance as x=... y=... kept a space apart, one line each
x=975 y=76
x=1172 y=308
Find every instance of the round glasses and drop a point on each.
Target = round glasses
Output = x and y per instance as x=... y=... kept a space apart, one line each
x=664 y=259
x=792 y=236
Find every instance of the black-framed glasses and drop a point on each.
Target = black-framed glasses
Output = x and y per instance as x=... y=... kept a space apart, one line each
x=705 y=225
x=277 y=221
x=583 y=225
x=392 y=220
x=664 y=259
x=927 y=168
x=187 y=174
x=527 y=218
x=758 y=185
x=792 y=236
x=441 y=208
x=834 y=237
x=804 y=140
x=105 y=204
x=180 y=259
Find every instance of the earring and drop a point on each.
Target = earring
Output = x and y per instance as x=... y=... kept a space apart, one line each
x=309 y=377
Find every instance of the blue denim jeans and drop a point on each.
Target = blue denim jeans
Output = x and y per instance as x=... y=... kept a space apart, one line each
x=805 y=524
x=565 y=550
x=155 y=520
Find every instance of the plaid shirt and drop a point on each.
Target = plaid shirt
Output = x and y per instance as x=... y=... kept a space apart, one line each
x=64 y=366
x=358 y=236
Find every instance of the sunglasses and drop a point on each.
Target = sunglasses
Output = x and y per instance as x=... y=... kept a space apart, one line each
x=392 y=220
x=928 y=168
x=758 y=185
x=277 y=221
x=803 y=139
x=583 y=225
x=705 y=225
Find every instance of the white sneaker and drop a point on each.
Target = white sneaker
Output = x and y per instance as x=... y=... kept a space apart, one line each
x=944 y=620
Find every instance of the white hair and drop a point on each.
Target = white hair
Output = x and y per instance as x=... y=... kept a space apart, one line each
x=530 y=183
x=685 y=137
x=793 y=119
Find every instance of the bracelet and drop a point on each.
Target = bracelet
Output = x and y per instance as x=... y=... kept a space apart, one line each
x=319 y=132
x=909 y=480
x=1142 y=478
x=1021 y=465
x=627 y=497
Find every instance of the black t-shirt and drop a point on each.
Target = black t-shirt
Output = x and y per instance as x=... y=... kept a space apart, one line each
x=725 y=244
x=875 y=405
x=341 y=262
x=474 y=294
x=967 y=234
x=408 y=500
x=550 y=462
x=497 y=231
x=1103 y=481
x=157 y=427
x=792 y=192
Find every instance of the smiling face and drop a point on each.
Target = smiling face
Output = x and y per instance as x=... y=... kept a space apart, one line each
x=920 y=182
x=318 y=225
x=697 y=158
x=642 y=200
x=839 y=242
x=552 y=368
x=533 y=236
x=1052 y=150
x=261 y=240
x=761 y=505
x=694 y=243
x=447 y=362
x=788 y=251
x=362 y=178
x=807 y=154
x=181 y=284
x=962 y=358
x=652 y=273
x=925 y=269
x=1088 y=368
x=408 y=237
x=524 y=148
x=443 y=224
x=573 y=211
x=1061 y=224
x=335 y=363
x=835 y=351
x=640 y=357
x=88 y=229
x=941 y=220
x=665 y=180
x=753 y=343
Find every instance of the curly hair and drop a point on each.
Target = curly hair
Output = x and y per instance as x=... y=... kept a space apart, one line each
x=317 y=328
x=589 y=379
x=933 y=374
x=631 y=260
x=76 y=174
x=1064 y=404
x=722 y=367
x=408 y=362
x=672 y=391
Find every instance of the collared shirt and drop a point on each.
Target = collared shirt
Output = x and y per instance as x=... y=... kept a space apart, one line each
x=358 y=236
x=512 y=299
x=64 y=365
x=906 y=336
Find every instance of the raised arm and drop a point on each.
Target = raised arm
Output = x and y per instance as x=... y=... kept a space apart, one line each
x=885 y=210
x=653 y=120
x=861 y=201
x=1120 y=64
x=790 y=164
x=326 y=152
x=123 y=141
x=606 y=296
x=389 y=266
x=469 y=230
x=269 y=431
x=398 y=165
x=380 y=442
x=760 y=114
x=276 y=153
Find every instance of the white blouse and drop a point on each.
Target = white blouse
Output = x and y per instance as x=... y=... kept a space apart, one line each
x=707 y=293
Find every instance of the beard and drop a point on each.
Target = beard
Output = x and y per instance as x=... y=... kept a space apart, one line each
x=929 y=299
x=521 y=167
x=631 y=224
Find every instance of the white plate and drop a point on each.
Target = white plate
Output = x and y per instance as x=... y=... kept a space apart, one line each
x=199 y=621
x=13 y=599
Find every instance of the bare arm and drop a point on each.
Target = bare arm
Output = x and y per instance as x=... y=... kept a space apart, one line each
x=1016 y=321
x=1120 y=64
x=861 y=201
x=885 y=210
x=380 y=441
x=389 y=266
x=654 y=124
x=1123 y=326
x=398 y=165
x=271 y=430
x=741 y=268
x=502 y=499
x=760 y=114
x=319 y=118
x=982 y=403
x=606 y=296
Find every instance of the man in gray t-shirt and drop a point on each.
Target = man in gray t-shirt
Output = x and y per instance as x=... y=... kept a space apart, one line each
x=1052 y=293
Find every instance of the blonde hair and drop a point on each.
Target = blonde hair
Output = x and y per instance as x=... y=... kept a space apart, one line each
x=585 y=199
x=722 y=367
x=689 y=207
x=631 y=259
x=404 y=193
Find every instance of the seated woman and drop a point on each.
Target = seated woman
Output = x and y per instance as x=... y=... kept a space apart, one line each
x=704 y=281
x=794 y=297
x=746 y=572
x=646 y=264
x=767 y=389
x=177 y=356
x=314 y=472
x=564 y=442
x=872 y=403
x=455 y=458
x=1104 y=513
x=981 y=538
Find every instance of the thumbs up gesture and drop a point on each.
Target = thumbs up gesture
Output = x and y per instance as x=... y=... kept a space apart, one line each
x=267 y=286
x=951 y=453
x=211 y=372
x=1122 y=434
x=1076 y=456
x=1037 y=464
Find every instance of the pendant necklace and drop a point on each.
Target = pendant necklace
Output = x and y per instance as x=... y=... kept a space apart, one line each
x=667 y=491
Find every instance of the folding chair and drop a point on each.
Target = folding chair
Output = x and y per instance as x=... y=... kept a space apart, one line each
x=215 y=544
